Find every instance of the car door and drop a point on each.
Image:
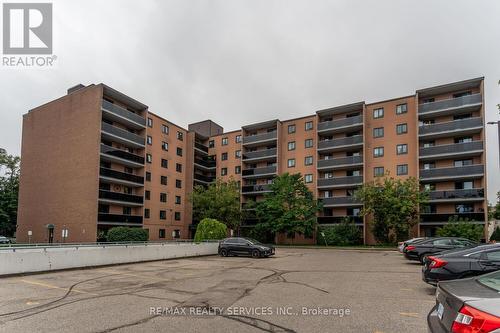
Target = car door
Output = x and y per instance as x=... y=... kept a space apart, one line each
x=240 y=246
x=490 y=261
x=442 y=244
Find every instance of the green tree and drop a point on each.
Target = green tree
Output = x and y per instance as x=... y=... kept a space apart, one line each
x=125 y=234
x=393 y=204
x=9 y=192
x=457 y=227
x=210 y=229
x=220 y=200
x=496 y=208
x=342 y=234
x=290 y=207
x=495 y=236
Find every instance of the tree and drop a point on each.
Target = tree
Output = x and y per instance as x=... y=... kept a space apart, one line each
x=9 y=192
x=457 y=227
x=495 y=236
x=496 y=209
x=394 y=205
x=344 y=233
x=220 y=200
x=290 y=207
x=210 y=229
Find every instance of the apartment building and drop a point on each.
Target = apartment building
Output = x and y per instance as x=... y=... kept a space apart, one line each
x=96 y=158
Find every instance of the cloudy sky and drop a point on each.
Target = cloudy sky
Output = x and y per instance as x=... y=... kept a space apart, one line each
x=238 y=62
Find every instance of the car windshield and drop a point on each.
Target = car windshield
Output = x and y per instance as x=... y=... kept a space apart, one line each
x=491 y=280
x=253 y=241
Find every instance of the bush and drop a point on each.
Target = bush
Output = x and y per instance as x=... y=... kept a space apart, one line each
x=345 y=233
x=495 y=236
x=124 y=234
x=461 y=228
x=210 y=229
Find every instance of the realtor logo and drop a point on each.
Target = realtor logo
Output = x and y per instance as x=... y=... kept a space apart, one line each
x=27 y=28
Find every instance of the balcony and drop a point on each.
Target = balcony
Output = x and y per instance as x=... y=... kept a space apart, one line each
x=201 y=148
x=121 y=115
x=451 y=128
x=358 y=220
x=204 y=163
x=475 y=194
x=203 y=179
x=340 y=182
x=259 y=172
x=258 y=139
x=341 y=125
x=457 y=105
x=120 y=198
x=440 y=219
x=340 y=202
x=348 y=143
x=453 y=173
x=260 y=155
x=118 y=177
x=348 y=162
x=112 y=133
x=454 y=150
x=115 y=155
x=255 y=189
x=119 y=219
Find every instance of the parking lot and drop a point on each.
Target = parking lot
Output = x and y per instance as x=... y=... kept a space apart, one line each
x=298 y=290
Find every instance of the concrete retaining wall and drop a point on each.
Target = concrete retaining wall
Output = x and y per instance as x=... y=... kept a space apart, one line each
x=28 y=260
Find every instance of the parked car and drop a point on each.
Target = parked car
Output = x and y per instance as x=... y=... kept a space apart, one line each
x=4 y=240
x=467 y=305
x=244 y=246
x=461 y=263
x=402 y=245
x=420 y=249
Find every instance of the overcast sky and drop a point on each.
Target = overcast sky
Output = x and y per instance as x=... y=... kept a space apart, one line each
x=239 y=62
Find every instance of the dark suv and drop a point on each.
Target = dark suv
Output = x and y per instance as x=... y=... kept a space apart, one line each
x=244 y=246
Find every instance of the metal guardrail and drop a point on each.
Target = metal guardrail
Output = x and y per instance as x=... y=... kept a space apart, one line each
x=450 y=126
x=450 y=103
x=454 y=148
x=273 y=135
x=335 y=143
x=342 y=161
x=123 y=113
x=340 y=123
x=263 y=153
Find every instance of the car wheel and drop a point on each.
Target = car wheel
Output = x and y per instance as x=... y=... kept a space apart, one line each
x=255 y=254
x=223 y=252
x=422 y=258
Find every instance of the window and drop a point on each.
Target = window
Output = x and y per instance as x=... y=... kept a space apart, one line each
x=237 y=154
x=464 y=208
x=428 y=100
x=149 y=158
x=463 y=139
x=309 y=125
x=177 y=199
x=224 y=141
x=179 y=151
x=211 y=144
x=237 y=169
x=402 y=149
x=178 y=167
x=402 y=169
x=429 y=144
x=146 y=213
x=378 y=171
x=223 y=171
x=291 y=162
x=465 y=185
x=378 y=152
x=401 y=108
x=223 y=157
x=149 y=140
x=148 y=176
x=103 y=209
x=164 y=146
x=150 y=122
x=177 y=216
x=164 y=129
x=378 y=132
x=163 y=214
x=161 y=233
x=163 y=180
x=462 y=94
x=429 y=165
x=178 y=183
x=147 y=195
x=401 y=128
x=163 y=197
x=461 y=163
x=177 y=233
x=291 y=145
x=308 y=160
x=308 y=178
x=180 y=136
x=494 y=256
x=308 y=143
x=430 y=187
x=127 y=210
x=291 y=129
x=378 y=113
x=164 y=163
x=353 y=173
x=237 y=139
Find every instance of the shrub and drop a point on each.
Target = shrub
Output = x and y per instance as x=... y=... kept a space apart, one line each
x=495 y=236
x=461 y=228
x=210 y=229
x=345 y=233
x=124 y=234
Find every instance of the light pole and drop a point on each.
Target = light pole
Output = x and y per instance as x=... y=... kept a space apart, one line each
x=496 y=123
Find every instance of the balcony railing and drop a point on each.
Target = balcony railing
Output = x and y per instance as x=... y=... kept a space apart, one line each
x=451 y=149
x=119 y=218
x=117 y=196
x=201 y=147
x=340 y=201
x=451 y=126
x=208 y=164
x=340 y=181
x=454 y=103
x=340 y=162
x=453 y=172
x=260 y=137
x=255 y=188
x=203 y=178
x=123 y=113
x=260 y=154
x=332 y=125
x=109 y=173
x=123 y=134
x=249 y=173
x=475 y=193
x=338 y=143
x=121 y=154
x=339 y=219
x=443 y=218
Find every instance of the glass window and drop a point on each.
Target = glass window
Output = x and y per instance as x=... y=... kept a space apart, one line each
x=178 y=167
x=401 y=128
x=146 y=213
x=179 y=151
x=378 y=132
x=308 y=178
x=180 y=136
x=237 y=154
x=211 y=144
x=378 y=152
x=308 y=143
x=463 y=139
x=163 y=180
x=444 y=241
x=237 y=169
x=493 y=255
x=401 y=108
x=291 y=162
x=161 y=233
x=148 y=176
x=238 y=139
x=177 y=199
x=163 y=197
x=147 y=195
x=491 y=280
x=378 y=113
x=164 y=146
x=178 y=183
x=164 y=129
x=402 y=169
x=291 y=129
x=149 y=140
x=164 y=163
x=150 y=122
x=223 y=156
x=309 y=125
x=308 y=160
x=223 y=171
x=464 y=208
x=378 y=171
x=291 y=145
x=224 y=141
x=402 y=149
x=163 y=214
x=149 y=158
x=177 y=216
x=460 y=163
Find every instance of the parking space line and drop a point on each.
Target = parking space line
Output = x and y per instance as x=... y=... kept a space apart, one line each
x=409 y=314
x=50 y=286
